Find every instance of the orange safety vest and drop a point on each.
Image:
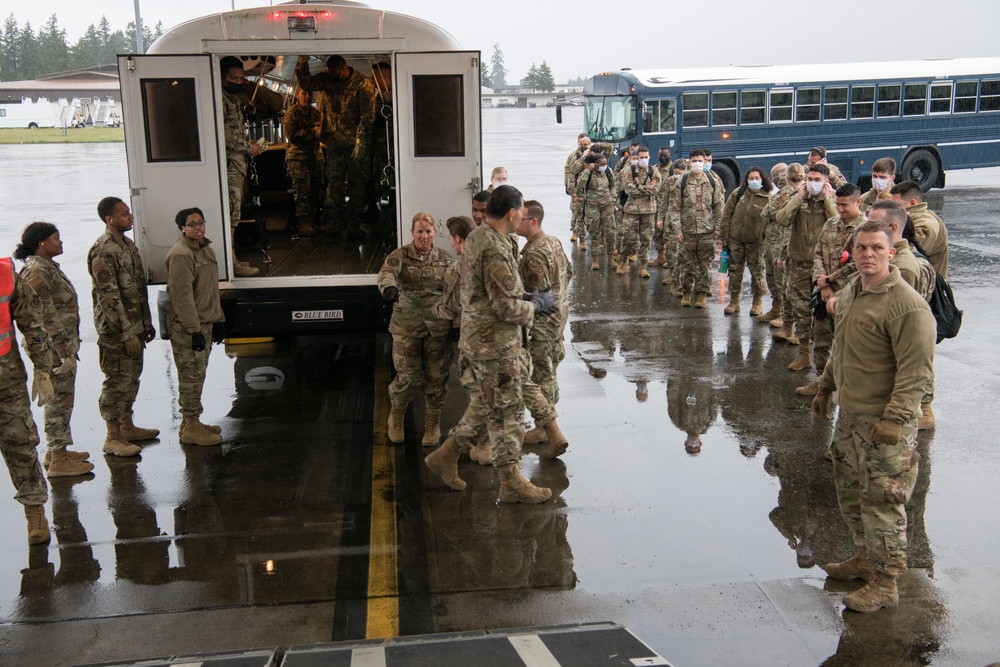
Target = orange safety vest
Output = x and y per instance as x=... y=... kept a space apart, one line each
x=6 y=291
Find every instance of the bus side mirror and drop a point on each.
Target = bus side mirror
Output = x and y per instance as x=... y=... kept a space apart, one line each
x=559 y=113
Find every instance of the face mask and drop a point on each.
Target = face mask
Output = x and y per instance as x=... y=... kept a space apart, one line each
x=697 y=167
x=634 y=160
x=880 y=184
x=664 y=160
x=708 y=165
x=602 y=168
x=233 y=88
x=644 y=162
x=754 y=185
x=497 y=184
x=815 y=187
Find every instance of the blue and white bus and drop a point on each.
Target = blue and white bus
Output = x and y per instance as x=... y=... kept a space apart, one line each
x=928 y=115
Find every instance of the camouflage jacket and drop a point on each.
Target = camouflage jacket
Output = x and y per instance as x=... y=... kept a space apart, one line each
x=869 y=199
x=493 y=308
x=26 y=313
x=121 y=303
x=420 y=280
x=346 y=107
x=663 y=196
x=931 y=236
x=805 y=218
x=579 y=165
x=836 y=236
x=641 y=186
x=915 y=271
x=596 y=188
x=569 y=176
x=742 y=220
x=265 y=101
x=300 y=127
x=60 y=308
x=775 y=235
x=836 y=178
x=699 y=210
x=544 y=265
x=449 y=304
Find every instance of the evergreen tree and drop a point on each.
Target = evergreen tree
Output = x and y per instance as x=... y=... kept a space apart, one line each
x=53 y=49
x=484 y=77
x=9 y=57
x=28 y=54
x=88 y=49
x=530 y=80
x=130 y=45
x=498 y=73
x=544 y=81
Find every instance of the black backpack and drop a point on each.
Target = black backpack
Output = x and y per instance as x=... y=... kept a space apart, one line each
x=947 y=314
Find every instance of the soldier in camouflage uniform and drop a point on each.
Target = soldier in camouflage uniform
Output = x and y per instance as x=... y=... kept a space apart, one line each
x=667 y=244
x=412 y=278
x=123 y=323
x=237 y=94
x=776 y=240
x=304 y=160
x=577 y=226
x=695 y=209
x=494 y=312
x=882 y=357
x=665 y=165
x=595 y=194
x=18 y=435
x=883 y=179
x=544 y=266
x=642 y=183
x=818 y=156
x=742 y=230
x=347 y=112
x=40 y=243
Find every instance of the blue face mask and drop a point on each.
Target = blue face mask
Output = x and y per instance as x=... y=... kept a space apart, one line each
x=754 y=185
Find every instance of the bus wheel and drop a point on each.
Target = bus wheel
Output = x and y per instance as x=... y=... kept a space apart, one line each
x=726 y=174
x=922 y=167
x=32 y=126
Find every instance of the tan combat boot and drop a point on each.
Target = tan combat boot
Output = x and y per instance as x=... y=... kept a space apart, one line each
x=686 y=300
x=482 y=454
x=535 y=436
x=701 y=301
x=71 y=455
x=880 y=591
x=810 y=389
x=514 y=488
x=131 y=432
x=192 y=433
x=443 y=462
x=244 y=269
x=623 y=266
x=573 y=237
x=558 y=444
x=613 y=259
x=583 y=243
x=784 y=333
x=925 y=421
x=734 y=305
x=777 y=323
x=643 y=273
x=757 y=306
x=661 y=260
x=115 y=445
x=804 y=360
x=38 y=525
x=595 y=263
x=432 y=427
x=676 y=290
x=63 y=466
x=396 y=416
x=856 y=567
x=773 y=314
x=211 y=428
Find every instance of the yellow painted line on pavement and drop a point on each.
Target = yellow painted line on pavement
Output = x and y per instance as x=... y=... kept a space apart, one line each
x=383 y=581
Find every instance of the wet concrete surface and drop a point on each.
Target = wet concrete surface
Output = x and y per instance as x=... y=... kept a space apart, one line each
x=709 y=557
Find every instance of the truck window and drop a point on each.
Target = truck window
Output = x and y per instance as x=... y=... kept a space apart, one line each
x=171 y=117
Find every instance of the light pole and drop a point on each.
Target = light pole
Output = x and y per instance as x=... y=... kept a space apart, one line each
x=138 y=29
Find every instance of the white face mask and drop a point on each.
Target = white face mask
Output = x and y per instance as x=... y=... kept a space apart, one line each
x=815 y=187
x=497 y=184
x=644 y=162
x=754 y=185
x=602 y=168
x=708 y=165
x=880 y=184
x=697 y=167
x=634 y=160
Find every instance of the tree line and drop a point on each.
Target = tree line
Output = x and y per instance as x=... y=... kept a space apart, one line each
x=538 y=79
x=27 y=54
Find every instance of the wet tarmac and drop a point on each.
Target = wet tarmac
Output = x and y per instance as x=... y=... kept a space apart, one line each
x=304 y=527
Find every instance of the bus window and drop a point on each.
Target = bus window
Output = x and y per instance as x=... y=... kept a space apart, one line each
x=610 y=118
x=724 y=108
x=170 y=113
x=695 y=110
x=835 y=103
x=863 y=102
x=781 y=106
x=965 y=96
x=941 y=97
x=752 y=107
x=658 y=116
x=888 y=101
x=990 y=95
x=807 y=104
x=915 y=99
x=438 y=122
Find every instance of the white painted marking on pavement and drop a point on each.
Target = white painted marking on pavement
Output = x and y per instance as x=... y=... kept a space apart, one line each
x=368 y=656
x=532 y=651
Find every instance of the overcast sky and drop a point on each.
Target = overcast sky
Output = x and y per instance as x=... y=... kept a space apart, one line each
x=587 y=36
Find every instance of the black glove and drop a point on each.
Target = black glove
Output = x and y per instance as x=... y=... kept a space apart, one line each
x=817 y=306
x=198 y=342
x=218 y=332
x=455 y=334
x=544 y=302
x=390 y=295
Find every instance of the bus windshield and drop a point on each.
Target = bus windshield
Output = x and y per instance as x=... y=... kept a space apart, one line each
x=610 y=118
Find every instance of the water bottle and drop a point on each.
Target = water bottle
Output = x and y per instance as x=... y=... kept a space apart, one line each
x=724 y=260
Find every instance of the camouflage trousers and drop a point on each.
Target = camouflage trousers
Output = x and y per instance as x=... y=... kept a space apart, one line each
x=666 y=245
x=616 y=237
x=798 y=293
x=822 y=338
x=600 y=222
x=578 y=225
x=545 y=359
x=236 y=173
x=536 y=401
x=59 y=409
x=471 y=428
x=774 y=275
x=699 y=251
x=746 y=255
x=874 y=483
x=638 y=235
x=121 y=379
x=421 y=363
x=306 y=175
x=191 y=365
x=345 y=189
x=18 y=439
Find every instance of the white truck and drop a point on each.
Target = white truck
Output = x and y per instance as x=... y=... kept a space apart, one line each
x=171 y=102
x=30 y=115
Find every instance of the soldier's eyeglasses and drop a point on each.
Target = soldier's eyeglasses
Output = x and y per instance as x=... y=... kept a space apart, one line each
x=195 y=224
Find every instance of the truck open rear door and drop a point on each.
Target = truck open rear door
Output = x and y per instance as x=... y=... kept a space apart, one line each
x=438 y=145
x=172 y=139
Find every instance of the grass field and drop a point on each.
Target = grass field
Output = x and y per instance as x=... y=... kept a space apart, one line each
x=84 y=135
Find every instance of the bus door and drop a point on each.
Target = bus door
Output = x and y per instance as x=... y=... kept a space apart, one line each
x=173 y=146
x=438 y=136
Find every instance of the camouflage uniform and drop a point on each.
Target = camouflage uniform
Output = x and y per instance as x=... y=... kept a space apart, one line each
x=931 y=235
x=18 y=435
x=577 y=225
x=237 y=144
x=696 y=215
x=61 y=320
x=776 y=249
x=642 y=186
x=121 y=312
x=421 y=346
x=595 y=192
x=303 y=158
x=661 y=240
x=872 y=197
x=806 y=218
x=836 y=237
x=193 y=305
x=493 y=317
x=347 y=112
x=544 y=265
x=742 y=229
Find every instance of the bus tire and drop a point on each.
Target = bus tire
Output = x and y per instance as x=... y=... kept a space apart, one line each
x=922 y=167
x=727 y=175
x=32 y=126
